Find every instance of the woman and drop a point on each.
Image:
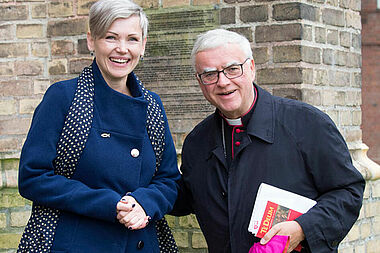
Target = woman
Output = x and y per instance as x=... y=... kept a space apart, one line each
x=99 y=162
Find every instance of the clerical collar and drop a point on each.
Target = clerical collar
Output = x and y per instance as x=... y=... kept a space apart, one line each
x=243 y=120
x=234 y=122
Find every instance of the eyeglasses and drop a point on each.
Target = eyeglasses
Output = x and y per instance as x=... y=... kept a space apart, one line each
x=231 y=72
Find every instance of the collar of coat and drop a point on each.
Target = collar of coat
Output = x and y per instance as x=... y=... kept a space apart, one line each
x=262 y=120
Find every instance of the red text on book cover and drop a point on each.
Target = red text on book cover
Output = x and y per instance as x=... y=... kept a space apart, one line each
x=274 y=214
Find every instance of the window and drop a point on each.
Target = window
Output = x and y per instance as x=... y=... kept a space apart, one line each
x=378 y=4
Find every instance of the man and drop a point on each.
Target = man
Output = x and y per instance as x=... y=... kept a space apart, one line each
x=254 y=137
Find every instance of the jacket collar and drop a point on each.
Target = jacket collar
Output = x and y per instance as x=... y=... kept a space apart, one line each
x=261 y=124
x=115 y=109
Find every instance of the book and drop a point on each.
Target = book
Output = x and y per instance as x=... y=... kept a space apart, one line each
x=274 y=205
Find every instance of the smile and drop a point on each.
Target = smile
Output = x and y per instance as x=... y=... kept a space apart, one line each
x=227 y=93
x=120 y=61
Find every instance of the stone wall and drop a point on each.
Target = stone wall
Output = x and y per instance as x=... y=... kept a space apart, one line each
x=308 y=50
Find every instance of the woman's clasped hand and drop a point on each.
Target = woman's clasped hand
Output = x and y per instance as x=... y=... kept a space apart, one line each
x=131 y=214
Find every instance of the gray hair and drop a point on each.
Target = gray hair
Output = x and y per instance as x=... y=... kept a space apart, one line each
x=104 y=12
x=220 y=37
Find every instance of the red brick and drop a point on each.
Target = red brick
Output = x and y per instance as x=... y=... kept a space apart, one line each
x=254 y=13
x=13 y=12
x=368 y=5
x=82 y=47
x=62 y=47
x=227 y=16
x=62 y=8
x=29 y=31
x=175 y=3
x=271 y=33
x=28 y=68
x=16 y=88
x=371 y=101
x=58 y=67
x=6 y=32
x=77 y=65
x=13 y=50
x=38 y=11
x=371 y=28
x=40 y=49
x=279 y=76
x=333 y=17
x=85 y=5
x=6 y=68
x=9 y=144
x=67 y=27
x=14 y=126
x=370 y=78
x=204 y=2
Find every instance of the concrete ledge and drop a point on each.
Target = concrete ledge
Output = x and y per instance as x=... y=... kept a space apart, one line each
x=369 y=169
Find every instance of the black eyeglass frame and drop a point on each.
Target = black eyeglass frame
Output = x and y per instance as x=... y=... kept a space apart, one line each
x=222 y=71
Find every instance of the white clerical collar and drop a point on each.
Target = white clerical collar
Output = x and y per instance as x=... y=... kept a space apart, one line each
x=234 y=122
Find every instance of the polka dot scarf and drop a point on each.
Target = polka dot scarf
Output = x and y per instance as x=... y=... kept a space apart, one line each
x=38 y=235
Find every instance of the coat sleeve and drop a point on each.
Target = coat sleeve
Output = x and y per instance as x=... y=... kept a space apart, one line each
x=159 y=196
x=339 y=183
x=37 y=180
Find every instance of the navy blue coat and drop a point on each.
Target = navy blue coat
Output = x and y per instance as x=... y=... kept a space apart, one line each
x=105 y=172
x=286 y=143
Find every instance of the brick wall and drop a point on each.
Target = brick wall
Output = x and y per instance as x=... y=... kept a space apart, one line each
x=371 y=77
x=306 y=50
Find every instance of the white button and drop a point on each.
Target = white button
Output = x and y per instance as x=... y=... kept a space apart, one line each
x=135 y=152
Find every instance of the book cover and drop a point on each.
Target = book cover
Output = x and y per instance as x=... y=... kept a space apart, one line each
x=274 y=205
x=274 y=214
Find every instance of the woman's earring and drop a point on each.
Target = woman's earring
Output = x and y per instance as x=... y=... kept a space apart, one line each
x=92 y=53
x=141 y=57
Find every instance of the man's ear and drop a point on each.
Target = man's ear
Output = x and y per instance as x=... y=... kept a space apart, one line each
x=252 y=64
x=253 y=69
x=198 y=79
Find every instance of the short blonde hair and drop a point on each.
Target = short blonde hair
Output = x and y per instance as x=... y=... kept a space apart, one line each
x=104 y=12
